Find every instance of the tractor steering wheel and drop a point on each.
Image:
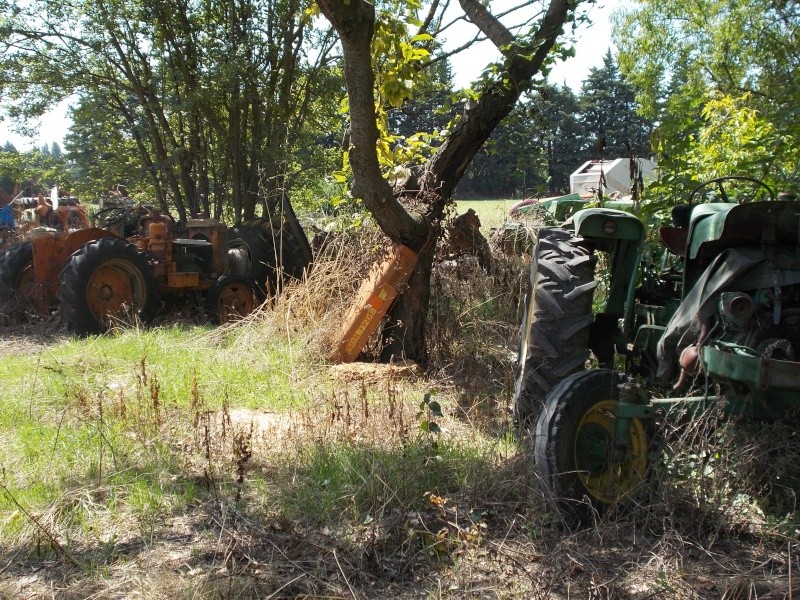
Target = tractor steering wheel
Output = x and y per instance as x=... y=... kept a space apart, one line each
x=719 y=183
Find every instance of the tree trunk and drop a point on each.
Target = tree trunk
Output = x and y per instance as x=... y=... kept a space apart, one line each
x=433 y=184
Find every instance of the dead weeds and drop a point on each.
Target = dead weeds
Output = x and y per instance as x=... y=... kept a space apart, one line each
x=358 y=495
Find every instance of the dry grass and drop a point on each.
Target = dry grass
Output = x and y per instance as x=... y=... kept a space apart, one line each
x=346 y=496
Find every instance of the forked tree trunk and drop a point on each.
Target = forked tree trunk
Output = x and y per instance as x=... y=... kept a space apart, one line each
x=433 y=184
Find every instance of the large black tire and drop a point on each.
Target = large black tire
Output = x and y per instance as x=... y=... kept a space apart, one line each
x=554 y=334
x=254 y=248
x=16 y=273
x=579 y=466
x=291 y=253
x=104 y=282
x=232 y=297
x=273 y=254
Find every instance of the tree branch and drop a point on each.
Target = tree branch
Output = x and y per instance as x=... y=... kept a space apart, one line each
x=354 y=20
x=451 y=159
x=488 y=24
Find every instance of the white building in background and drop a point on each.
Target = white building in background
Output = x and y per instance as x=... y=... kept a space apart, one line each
x=614 y=173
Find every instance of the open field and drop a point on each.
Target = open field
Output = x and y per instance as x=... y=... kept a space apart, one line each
x=492 y=213
x=180 y=461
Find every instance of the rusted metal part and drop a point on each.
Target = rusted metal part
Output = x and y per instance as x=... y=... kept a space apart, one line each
x=374 y=298
x=758 y=372
x=50 y=253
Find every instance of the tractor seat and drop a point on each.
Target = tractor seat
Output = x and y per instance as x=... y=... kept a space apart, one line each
x=674 y=238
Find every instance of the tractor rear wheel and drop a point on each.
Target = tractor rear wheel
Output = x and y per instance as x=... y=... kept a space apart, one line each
x=554 y=335
x=579 y=465
x=230 y=299
x=288 y=250
x=106 y=281
x=17 y=279
x=251 y=255
x=269 y=253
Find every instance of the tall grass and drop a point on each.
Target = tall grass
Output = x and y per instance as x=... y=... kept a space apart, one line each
x=183 y=461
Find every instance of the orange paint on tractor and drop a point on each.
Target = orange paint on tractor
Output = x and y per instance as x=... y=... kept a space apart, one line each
x=374 y=298
x=51 y=251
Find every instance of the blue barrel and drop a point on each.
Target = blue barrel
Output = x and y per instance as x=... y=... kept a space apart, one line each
x=7 y=217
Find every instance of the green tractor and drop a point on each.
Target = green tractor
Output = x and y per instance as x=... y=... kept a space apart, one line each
x=716 y=320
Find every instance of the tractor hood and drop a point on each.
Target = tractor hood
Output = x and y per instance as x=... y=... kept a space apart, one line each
x=717 y=226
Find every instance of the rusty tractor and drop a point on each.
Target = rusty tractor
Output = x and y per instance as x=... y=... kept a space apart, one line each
x=96 y=277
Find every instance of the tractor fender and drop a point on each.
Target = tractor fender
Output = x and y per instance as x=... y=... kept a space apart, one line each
x=51 y=251
x=607 y=223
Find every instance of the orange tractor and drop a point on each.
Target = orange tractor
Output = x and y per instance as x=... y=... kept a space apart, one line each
x=61 y=213
x=22 y=216
x=97 y=277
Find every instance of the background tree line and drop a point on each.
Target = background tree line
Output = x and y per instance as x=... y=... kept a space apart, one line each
x=198 y=106
x=33 y=171
x=553 y=131
x=221 y=106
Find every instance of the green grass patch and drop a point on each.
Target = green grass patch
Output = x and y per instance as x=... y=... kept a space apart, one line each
x=492 y=213
x=179 y=362
x=119 y=410
x=361 y=480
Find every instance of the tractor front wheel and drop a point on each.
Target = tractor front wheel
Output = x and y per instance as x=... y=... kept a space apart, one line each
x=579 y=463
x=105 y=282
x=231 y=298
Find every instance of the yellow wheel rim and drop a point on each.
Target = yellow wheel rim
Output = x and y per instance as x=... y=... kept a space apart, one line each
x=606 y=472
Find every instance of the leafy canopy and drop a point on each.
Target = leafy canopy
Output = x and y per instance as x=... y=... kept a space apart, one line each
x=721 y=79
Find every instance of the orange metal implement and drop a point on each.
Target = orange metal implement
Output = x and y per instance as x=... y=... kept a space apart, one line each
x=374 y=298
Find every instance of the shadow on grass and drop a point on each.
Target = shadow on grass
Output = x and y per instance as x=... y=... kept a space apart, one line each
x=333 y=521
x=427 y=518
